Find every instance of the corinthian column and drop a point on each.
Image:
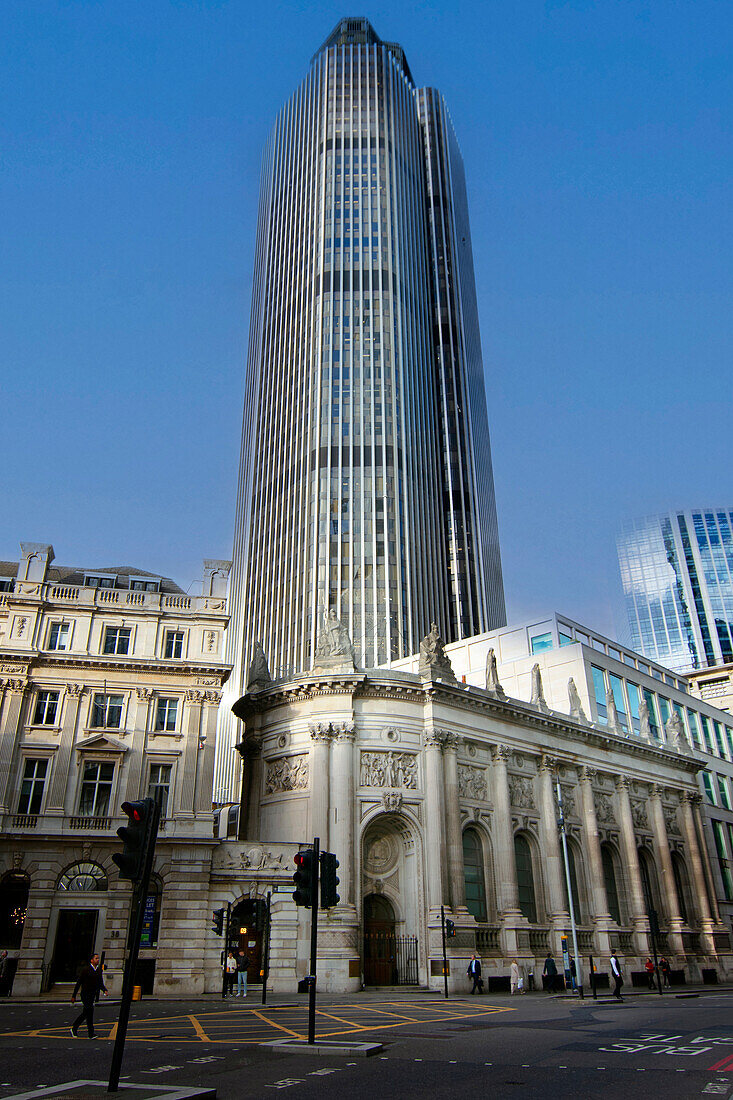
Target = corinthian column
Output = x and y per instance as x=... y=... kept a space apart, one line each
x=454 y=834
x=689 y=805
x=633 y=871
x=319 y=781
x=502 y=837
x=434 y=827
x=11 y=707
x=342 y=807
x=599 y=901
x=664 y=859
x=552 y=858
x=62 y=764
x=249 y=806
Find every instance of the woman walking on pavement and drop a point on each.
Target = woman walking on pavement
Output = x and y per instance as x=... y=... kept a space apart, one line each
x=90 y=981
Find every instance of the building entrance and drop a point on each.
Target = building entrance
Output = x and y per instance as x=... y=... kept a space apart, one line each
x=243 y=936
x=380 y=948
x=76 y=933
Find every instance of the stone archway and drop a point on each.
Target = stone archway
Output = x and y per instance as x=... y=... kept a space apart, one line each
x=391 y=901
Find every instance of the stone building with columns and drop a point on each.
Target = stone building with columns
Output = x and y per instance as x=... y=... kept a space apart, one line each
x=435 y=792
x=110 y=681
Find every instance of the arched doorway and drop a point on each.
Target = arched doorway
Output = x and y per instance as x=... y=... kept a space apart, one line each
x=380 y=941
x=247 y=933
x=14 y=890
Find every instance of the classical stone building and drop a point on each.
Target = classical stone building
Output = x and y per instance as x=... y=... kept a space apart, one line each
x=432 y=791
x=110 y=680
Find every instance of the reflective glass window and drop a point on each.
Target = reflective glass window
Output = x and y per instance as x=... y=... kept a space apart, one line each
x=599 y=688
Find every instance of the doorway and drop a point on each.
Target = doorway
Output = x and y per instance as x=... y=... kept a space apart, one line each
x=380 y=962
x=244 y=936
x=76 y=933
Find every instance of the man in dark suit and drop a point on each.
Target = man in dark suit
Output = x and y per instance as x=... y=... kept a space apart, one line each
x=474 y=973
x=90 y=981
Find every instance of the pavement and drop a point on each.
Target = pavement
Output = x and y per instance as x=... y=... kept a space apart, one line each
x=532 y=1046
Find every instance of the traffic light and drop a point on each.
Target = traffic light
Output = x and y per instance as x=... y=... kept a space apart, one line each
x=450 y=927
x=217 y=922
x=136 y=837
x=305 y=872
x=329 y=880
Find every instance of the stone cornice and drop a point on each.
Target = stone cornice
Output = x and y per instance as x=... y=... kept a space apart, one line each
x=70 y=661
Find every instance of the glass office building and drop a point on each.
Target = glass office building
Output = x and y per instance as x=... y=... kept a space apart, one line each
x=366 y=482
x=677 y=578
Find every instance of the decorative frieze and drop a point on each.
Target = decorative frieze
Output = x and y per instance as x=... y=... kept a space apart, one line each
x=521 y=792
x=388 y=769
x=472 y=782
x=287 y=773
x=639 y=814
x=604 y=808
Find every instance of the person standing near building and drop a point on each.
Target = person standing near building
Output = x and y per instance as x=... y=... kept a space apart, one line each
x=90 y=981
x=515 y=978
x=242 y=968
x=549 y=972
x=649 y=967
x=230 y=973
x=4 y=975
x=474 y=973
x=666 y=969
x=618 y=978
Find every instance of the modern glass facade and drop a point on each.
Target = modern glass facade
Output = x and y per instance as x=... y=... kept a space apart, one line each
x=677 y=578
x=366 y=482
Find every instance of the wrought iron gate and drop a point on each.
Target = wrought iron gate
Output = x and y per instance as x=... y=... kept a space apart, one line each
x=389 y=959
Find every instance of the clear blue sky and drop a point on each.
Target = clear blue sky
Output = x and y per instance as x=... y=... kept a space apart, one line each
x=597 y=139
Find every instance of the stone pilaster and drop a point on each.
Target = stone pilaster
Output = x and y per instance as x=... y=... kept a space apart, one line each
x=552 y=855
x=135 y=780
x=598 y=900
x=10 y=723
x=689 y=805
x=320 y=781
x=637 y=904
x=454 y=833
x=207 y=751
x=249 y=810
x=194 y=704
x=434 y=820
x=502 y=835
x=60 y=785
x=342 y=806
x=664 y=862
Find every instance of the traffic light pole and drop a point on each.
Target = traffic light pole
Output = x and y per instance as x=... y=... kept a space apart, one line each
x=314 y=941
x=266 y=960
x=137 y=917
x=445 y=954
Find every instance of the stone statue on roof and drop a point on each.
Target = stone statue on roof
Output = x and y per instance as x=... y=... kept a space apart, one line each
x=434 y=662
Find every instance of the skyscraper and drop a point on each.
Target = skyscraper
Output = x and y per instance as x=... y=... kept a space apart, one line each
x=677 y=578
x=366 y=483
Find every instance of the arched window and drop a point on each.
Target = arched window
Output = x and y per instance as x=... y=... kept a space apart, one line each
x=14 y=890
x=81 y=877
x=573 y=885
x=681 y=885
x=646 y=866
x=609 y=879
x=525 y=878
x=473 y=871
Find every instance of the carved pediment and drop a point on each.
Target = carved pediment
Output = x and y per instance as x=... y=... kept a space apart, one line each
x=99 y=742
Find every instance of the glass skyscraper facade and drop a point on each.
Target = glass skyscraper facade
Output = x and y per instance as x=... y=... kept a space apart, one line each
x=366 y=483
x=677 y=578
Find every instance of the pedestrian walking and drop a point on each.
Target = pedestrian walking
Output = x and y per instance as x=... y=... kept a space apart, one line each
x=549 y=973
x=618 y=978
x=516 y=983
x=230 y=974
x=90 y=981
x=242 y=968
x=666 y=970
x=474 y=973
x=649 y=967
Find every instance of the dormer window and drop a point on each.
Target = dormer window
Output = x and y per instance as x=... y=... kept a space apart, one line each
x=6 y=584
x=99 y=580
x=140 y=584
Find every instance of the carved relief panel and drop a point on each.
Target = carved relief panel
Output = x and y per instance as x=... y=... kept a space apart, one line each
x=286 y=773
x=389 y=769
x=472 y=782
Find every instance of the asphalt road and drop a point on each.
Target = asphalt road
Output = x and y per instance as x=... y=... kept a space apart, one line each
x=533 y=1046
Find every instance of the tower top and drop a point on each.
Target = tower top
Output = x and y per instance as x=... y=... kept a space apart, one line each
x=358 y=31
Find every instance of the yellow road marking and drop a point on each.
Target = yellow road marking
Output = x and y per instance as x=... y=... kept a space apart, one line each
x=198 y=1029
x=280 y=1027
